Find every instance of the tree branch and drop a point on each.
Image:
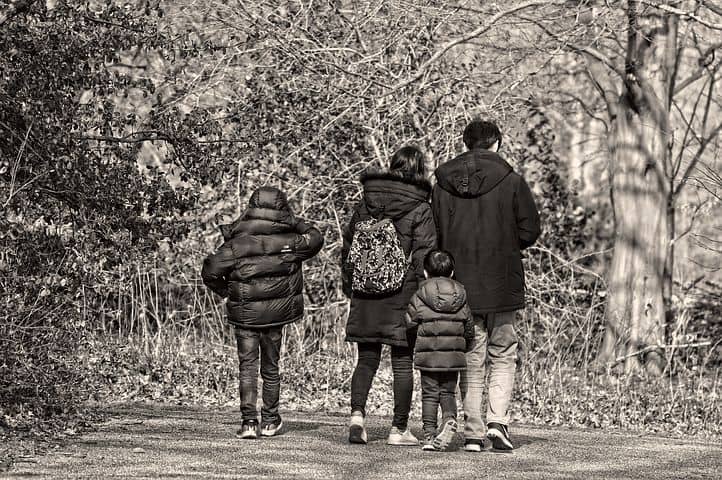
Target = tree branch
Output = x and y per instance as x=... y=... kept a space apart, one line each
x=464 y=39
x=16 y=7
x=659 y=347
x=683 y=14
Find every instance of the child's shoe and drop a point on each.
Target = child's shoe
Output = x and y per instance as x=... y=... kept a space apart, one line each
x=271 y=429
x=473 y=445
x=356 y=430
x=446 y=435
x=249 y=430
x=402 y=439
x=499 y=436
x=428 y=443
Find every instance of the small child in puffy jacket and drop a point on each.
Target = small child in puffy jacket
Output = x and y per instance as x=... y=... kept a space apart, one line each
x=439 y=313
x=258 y=268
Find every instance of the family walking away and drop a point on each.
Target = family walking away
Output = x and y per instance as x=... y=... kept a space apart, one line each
x=435 y=273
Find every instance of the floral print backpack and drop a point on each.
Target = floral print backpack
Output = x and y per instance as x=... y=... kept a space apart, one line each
x=376 y=258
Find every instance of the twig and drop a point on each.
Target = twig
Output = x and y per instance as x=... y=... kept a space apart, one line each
x=659 y=347
x=684 y=14
x=463 y=39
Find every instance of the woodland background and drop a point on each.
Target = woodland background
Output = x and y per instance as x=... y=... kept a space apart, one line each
x=129 y=130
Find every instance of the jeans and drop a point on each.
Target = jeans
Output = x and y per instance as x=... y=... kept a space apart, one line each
x=269 y=341
x=495 y=338
x=369 y=356
x=437 y=389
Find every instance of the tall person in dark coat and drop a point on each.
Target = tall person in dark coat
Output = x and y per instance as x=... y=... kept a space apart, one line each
x=485 y=216
x=258 y=268
x=401 y=194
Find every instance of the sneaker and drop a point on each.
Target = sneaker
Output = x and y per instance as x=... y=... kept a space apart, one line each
x=446 y=435
x=402 y=439
x=428 y=443
x=356 y=430
x=271 y=429
x=473 y=445
x=499 y=436
x=249 y=429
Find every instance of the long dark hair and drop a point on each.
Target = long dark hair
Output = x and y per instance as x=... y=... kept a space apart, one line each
x=408 y=162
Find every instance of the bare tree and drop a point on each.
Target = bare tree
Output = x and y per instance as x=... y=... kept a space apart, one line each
x=655 y=67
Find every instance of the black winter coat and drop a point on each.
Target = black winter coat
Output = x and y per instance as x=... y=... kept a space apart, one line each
x=485 y=215
x=445 y=325
x=380 y=319
x=258 y=267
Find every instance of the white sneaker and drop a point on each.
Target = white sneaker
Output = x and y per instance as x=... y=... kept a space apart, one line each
x=356 y=429
x=473 y=445
x=402 y=439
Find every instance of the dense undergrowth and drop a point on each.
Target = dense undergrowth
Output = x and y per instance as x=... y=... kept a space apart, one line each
x=116 y=167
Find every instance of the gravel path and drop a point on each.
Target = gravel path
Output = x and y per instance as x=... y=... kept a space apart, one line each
x=182 y=442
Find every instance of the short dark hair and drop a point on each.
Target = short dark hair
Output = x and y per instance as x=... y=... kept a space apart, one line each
x=439 y=263
x=409 y=162
x=481 y=134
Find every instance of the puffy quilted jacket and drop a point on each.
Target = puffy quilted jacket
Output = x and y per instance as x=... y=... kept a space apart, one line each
x=445 y=325
x=258 y=267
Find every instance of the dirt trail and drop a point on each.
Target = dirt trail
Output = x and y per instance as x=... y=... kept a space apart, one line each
x=182 y=442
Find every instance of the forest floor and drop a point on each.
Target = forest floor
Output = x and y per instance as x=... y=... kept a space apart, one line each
x=154 y=441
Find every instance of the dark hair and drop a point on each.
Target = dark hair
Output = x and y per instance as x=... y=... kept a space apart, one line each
x=439 y=263
x=409 y=162
x=481 y=134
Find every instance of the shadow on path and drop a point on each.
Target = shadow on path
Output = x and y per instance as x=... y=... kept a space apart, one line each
x=180 y=442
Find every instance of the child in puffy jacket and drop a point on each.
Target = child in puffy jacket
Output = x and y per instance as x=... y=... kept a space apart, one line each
x=439 y=313
x=258 y=268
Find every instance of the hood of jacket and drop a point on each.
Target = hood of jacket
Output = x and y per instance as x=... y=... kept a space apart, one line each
x=268 y=212
x=391 y=195
x=473 y=173
x=443 y=294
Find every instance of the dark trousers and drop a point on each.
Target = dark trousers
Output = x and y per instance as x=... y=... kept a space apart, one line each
x=369 y=356
x=437 y=389
x=268 y=342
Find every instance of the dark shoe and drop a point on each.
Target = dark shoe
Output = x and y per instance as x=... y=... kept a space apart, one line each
x=428 y=442
x=271 y=429
x=499 y=436
x=473 y=445
x=446 y=435
x=249 y=430
x=356 y=429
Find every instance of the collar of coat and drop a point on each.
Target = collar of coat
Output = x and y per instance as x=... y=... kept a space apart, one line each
x=419 y=182
x=260 y=221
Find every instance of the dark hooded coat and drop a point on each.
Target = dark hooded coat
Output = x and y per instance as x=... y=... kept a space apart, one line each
x=258 y=267
x=485 y=215
x=444 y=325
x=380 y=319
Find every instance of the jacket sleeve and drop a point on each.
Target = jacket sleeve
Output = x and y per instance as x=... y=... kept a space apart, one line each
x=436 y=211
x=412 y=312
x=412 y=320
x=527 y=216
x=309 y=243
x=468 y=327
x=347 y=235
x=216 y=268
x=424 y=239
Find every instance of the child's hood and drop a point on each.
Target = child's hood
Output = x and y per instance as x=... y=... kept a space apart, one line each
x=268 y=212
x=443 y=294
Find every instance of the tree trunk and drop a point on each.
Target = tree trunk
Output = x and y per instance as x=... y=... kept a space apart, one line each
x=635 y=308
x=639 y=172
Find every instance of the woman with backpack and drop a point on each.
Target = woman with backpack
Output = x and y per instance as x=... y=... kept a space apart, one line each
x=384 y=246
